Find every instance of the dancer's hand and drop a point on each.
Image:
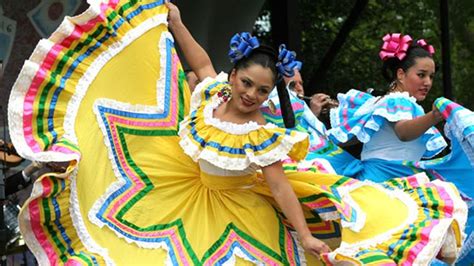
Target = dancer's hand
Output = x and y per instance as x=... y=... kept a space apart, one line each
x=437 y=116
x=174 y=16
x=315 y=246
x=60 y=167
x=321 y=103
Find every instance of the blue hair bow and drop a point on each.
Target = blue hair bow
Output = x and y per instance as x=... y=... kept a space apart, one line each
x=287 y=62
x=241 y=45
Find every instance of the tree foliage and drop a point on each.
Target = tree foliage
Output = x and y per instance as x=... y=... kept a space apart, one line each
x=357 y=64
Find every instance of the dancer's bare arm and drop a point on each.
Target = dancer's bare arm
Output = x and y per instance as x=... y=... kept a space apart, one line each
x=194 y=54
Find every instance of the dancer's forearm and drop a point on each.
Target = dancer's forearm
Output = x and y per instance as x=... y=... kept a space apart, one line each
x=195 y=55
x=285 y=197
x=408 y=130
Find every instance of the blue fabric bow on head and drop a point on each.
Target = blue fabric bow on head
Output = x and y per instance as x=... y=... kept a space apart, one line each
x=287 y=62
x=241 y=45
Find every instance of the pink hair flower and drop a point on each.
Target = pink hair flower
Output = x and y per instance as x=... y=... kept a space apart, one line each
x=395 y=45
x=429 y=48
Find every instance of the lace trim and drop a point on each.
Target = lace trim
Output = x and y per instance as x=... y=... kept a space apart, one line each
x=336 y=132
x=15 y=115
x=449 y=248
x=160 y=92
x=439 y=236
x=229 y=127
x=435 y=143
x=352 y=249
x=367 y=107
x=25 y=225
x=237 y=252
x=460 y=212
x=197 y=152
x=276 y=154
x=196 y=97
x=333 y=216
x=120 y=182
x=27 y=232
x=79 y=224
x=15 y=118
x=89 y=76
x=400 y=94
x=456 y=127
x=357 y=225
x=31 y=67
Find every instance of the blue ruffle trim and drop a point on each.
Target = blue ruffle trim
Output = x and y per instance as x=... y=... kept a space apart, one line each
x=360 y=115
x=460 y=125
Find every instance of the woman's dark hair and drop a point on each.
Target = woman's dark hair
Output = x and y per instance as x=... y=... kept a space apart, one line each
x=264 y=56
x=267 y=57
x=391 y=65
x=285 y=104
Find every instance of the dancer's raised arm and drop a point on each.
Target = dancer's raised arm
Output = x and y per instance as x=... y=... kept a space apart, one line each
x=195 y=55
x=408 y=130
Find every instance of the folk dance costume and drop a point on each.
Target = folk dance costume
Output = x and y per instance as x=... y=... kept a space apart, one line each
x=368 y=118
x=148 y=184
x=324 y=155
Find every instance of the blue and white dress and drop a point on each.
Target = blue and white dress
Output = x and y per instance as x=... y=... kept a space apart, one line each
x=323 y=154
x=371 y=120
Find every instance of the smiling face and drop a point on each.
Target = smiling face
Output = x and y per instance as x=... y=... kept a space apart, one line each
x=418 y=79
x=250 y=87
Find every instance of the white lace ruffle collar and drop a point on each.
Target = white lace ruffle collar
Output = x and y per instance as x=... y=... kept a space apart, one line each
x=229 y=127
x=399 y=94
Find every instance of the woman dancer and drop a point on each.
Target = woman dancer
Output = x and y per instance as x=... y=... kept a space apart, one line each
x=394 y=129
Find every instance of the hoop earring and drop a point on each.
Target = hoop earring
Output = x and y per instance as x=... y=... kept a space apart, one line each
x=395 y=86
x=392 y=86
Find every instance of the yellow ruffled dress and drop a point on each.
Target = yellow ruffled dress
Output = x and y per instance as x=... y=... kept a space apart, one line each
x=227 y=211
x=389 y=223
